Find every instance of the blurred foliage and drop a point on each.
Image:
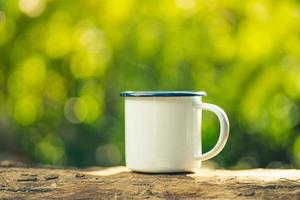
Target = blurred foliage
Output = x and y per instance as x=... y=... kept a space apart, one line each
x=63 y=64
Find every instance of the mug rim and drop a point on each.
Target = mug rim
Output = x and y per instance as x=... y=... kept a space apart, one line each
x=162 y=93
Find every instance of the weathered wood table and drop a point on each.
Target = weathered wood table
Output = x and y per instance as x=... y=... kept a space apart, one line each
x=20 y=182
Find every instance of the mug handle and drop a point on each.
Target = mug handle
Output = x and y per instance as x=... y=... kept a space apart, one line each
x=224 y=129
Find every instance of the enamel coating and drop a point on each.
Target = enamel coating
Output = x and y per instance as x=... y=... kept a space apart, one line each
x=163 y=134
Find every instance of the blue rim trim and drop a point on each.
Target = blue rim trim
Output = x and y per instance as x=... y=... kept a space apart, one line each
x=161 y=94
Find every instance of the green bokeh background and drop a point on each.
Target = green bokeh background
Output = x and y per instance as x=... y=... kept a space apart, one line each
x=63 y=64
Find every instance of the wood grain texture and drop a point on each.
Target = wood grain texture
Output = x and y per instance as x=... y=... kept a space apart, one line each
x=20 y=182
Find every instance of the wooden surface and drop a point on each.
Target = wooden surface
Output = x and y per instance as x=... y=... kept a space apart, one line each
x=20 y=182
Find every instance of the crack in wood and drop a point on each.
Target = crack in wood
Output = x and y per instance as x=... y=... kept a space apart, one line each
x=51 y=177
x=33 y=190
x=28 y=179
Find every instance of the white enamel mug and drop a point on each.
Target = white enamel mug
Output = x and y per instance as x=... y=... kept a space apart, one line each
x=163 y=131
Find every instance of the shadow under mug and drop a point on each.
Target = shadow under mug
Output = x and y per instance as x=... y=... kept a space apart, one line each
x=163 y=131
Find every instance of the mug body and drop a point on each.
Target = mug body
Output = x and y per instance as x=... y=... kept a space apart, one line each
x=162 y=134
